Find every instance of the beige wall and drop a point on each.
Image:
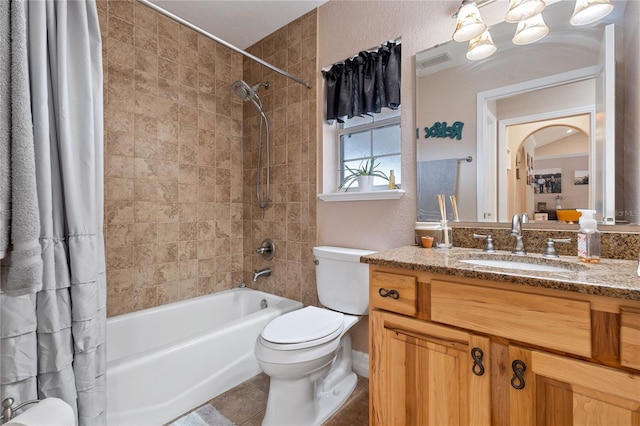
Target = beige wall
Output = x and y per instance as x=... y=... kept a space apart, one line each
x=347 y=27
x=180 y=212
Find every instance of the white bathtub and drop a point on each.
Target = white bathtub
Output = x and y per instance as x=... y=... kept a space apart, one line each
x=165 y=361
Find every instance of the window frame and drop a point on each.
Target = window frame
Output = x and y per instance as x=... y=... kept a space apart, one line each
x=370 y=127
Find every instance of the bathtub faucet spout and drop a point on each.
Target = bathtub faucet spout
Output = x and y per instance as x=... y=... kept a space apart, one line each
x=261 y=273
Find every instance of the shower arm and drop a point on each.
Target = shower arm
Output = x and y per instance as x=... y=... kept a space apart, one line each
x=224 y=43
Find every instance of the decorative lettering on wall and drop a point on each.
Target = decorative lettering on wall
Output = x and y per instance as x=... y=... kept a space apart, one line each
x=443 y=130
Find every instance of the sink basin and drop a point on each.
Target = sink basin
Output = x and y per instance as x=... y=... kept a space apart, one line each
x=510 y=264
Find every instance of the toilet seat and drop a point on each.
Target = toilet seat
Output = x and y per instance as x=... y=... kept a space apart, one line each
x=303 y=328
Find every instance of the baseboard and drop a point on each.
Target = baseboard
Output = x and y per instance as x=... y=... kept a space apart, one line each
x=360 y=363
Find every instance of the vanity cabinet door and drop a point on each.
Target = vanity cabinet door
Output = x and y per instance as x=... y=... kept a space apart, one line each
x=558 y=390
x=427 y=374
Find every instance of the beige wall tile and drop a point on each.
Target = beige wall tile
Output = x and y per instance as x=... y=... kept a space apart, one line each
x=122 y=9
x=145 y=39
x=168 y=212
x=167 y=252
x=187 y=250
x=145 y=17
x=167 y=273
x=120 y=30
x=147 y=62
x=168 y=28
x=120 y=53
x=168 y=88
x=167 y=293
x=119 y=235
x=188 y=38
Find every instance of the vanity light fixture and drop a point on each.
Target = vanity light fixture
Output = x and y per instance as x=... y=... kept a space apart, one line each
x=523 y=9
x=530 y=30
x=469 y=24
x=481 y=47
x=589 y=11
x=526 y=13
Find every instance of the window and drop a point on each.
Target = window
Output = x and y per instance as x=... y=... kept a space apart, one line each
x=362 y=138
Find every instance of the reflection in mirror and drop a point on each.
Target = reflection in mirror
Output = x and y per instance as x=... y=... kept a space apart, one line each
x=548 y=168
x=557 y=78
x=526 y=136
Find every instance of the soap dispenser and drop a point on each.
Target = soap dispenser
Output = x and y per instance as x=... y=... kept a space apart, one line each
x=588 y=237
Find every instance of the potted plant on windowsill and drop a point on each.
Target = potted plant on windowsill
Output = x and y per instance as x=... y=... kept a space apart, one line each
x=363 y=174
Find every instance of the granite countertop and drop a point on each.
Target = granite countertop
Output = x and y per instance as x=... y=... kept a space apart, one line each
x=610 y=277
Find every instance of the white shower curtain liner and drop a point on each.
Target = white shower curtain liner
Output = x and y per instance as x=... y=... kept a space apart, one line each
x=52 y=342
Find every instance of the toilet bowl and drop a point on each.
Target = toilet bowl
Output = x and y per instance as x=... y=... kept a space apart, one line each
x=311 y=376
x=307 y=353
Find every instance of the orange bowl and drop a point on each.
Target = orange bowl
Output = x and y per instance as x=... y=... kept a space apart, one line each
x=568 y=215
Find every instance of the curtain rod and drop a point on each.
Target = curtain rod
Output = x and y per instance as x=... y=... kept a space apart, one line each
x=224 y=43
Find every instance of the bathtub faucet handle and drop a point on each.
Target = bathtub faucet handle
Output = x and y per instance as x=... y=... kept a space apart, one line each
x=267 y=249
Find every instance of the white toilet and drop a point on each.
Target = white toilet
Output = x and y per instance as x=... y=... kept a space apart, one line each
x=307 y=353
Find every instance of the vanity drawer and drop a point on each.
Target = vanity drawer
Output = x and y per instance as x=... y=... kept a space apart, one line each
x=630 y=337
x=393 y=292
x=551 y=322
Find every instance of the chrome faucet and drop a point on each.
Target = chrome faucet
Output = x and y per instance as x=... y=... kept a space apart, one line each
x=266 y=272
x=516 y=231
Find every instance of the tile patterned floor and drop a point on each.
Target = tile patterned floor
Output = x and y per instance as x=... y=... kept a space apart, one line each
x=245 y=404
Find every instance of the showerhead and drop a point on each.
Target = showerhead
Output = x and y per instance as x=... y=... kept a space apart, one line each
x=243 y=90
x=246 y=92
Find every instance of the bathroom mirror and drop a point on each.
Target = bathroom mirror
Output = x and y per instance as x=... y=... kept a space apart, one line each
x=475 y=109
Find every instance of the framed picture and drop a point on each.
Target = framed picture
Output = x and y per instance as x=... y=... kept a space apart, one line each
x=548 y=181
x=541 y=207
x=581 y=177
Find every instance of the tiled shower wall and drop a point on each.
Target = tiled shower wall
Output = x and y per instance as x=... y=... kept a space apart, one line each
x=290 y=218
x=173 y=160
x=180 y=213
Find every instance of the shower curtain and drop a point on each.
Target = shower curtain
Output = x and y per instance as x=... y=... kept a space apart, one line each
x=52 y=333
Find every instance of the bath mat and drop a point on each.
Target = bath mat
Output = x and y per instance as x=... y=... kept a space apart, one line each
x=206 y=415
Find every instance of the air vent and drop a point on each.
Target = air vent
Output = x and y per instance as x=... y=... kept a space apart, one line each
x=433 y=61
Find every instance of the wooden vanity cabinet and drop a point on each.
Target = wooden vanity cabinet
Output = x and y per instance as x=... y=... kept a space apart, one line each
x=454 y=351
x=419 y=374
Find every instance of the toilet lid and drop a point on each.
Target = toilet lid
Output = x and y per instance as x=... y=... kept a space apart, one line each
x=303 y=325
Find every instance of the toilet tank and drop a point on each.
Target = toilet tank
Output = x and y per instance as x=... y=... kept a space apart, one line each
x=342 y=281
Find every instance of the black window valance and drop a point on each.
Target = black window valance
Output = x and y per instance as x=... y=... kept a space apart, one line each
x=364 y=84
